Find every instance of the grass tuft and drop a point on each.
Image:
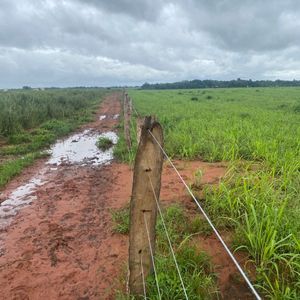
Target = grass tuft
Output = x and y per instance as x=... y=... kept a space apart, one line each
x=104 y=143
x=120 y=219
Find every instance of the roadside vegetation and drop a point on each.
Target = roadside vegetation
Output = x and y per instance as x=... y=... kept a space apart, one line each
x=256 y=130
x=31 y=121
x=195 y=266
x=120 y=150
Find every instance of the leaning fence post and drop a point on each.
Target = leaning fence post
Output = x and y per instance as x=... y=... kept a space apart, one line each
x=148 y=164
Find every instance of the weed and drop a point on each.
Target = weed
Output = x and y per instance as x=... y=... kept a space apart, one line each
x=197 y=179
x=120 y=218
x=104 y=143
x=198 y=225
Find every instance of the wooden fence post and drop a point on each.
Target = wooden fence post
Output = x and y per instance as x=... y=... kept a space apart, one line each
x=139 y=125
x=148 y=164
x=127 y=117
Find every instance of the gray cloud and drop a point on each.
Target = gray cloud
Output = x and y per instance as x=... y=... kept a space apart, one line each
x=248 y=25
x=145 y=10
x=77 y=42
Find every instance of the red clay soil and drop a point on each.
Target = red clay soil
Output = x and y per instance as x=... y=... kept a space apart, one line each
x=62 y=246
x=230 y=282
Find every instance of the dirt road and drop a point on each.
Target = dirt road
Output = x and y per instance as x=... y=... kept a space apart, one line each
x=61 y=246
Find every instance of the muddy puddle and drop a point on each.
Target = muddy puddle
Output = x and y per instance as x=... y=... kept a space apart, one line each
x=79 y=149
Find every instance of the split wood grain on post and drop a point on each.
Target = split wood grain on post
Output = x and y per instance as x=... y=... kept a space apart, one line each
x=143 y=208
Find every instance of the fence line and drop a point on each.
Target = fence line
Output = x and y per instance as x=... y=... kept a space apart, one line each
x=127 y=117
x=169 y=241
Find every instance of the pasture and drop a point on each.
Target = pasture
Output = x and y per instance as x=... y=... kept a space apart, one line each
x=257 y=133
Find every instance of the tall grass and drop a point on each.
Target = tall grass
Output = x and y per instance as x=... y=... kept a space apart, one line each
x=23 y=109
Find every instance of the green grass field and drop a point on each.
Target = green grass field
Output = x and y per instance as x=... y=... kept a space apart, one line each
x=32 y=120
x=258 y=132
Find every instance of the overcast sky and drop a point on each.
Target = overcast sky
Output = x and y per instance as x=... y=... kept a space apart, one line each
x=116 y=42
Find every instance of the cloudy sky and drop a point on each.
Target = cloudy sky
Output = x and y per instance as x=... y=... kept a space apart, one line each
x=116 y=42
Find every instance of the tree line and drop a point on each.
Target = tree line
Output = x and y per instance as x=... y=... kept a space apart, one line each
x=236 y=83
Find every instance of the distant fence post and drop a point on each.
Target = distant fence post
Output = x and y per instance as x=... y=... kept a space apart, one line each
x=148 y=164
x=127 y=117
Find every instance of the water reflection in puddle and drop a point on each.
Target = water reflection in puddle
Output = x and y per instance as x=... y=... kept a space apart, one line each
x=114 y=117
x=79 y=149
x=20 y=197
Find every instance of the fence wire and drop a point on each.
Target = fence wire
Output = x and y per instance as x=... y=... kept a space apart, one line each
x=152 y=257
x=143 y=276
x=210 y=222
x=169 y=240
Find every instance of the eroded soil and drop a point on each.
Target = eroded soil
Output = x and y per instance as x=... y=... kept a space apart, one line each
x=62 y=246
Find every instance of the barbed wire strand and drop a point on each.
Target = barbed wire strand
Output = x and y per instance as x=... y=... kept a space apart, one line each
x=152 y=257
x=169 y=240
x=143 y=276
x=210 y=222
